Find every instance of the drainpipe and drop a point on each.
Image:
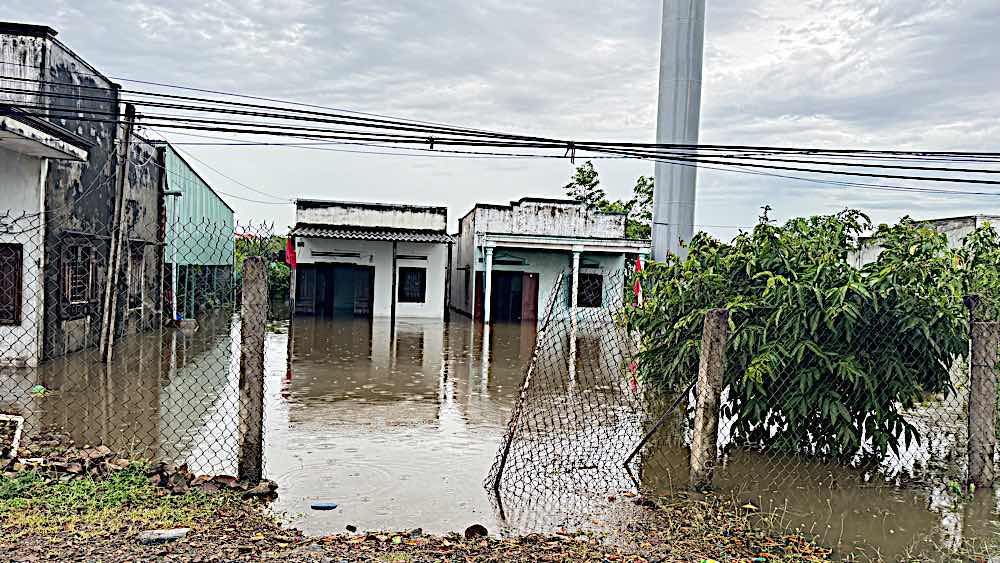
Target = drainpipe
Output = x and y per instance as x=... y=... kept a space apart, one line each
x=678 y=113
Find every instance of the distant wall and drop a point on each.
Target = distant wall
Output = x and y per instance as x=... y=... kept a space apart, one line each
x=548 y=218
x=955 y=228
x=367 y=215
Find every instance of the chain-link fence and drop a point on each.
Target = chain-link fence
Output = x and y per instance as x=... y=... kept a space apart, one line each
x=134 y=338
x=886 y=405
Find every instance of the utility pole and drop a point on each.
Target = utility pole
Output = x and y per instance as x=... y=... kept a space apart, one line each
x=678 y=113
x=117 y=241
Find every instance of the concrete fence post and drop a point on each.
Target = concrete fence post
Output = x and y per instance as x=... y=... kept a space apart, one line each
x=253 y=321
x=711 y=368
x=983 y=402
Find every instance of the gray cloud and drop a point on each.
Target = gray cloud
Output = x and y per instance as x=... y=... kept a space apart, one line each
x=878 y=73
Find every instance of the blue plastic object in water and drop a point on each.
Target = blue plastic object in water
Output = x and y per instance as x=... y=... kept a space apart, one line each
x=324 y=505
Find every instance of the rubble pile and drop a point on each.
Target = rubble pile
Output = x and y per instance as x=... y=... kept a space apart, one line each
x=58 y=457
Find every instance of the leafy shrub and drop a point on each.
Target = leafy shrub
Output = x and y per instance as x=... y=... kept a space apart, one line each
x=824 y=355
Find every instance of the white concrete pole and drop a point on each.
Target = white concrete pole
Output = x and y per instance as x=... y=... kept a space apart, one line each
x=488 y=292
x=574 y=296
x=678 y=113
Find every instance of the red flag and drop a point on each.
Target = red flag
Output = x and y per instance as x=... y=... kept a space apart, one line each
x=290 y=252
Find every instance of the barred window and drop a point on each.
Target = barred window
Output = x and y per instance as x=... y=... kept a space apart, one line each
x=412 y=285
x=78 y=274
x=136 y=274
x=11 y=256
x=590 y=290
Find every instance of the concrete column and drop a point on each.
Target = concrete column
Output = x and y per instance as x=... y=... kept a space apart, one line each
x=574 y=292
x=488 y=292
x=982 y=403
x=253 y=322
x=711 y=379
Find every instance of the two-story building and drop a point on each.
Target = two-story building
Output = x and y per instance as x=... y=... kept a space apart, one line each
x=370 y=259
x=59 y=162
x=509 y=257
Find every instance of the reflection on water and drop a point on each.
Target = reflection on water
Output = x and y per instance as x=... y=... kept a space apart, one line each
x=168 y=395
x=400 y=425
x=396 y=426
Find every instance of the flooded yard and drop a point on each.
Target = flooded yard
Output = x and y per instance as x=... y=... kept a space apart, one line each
x=399 y=427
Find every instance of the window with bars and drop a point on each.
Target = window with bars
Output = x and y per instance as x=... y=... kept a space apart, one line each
x=136 y=274
x=78 y=274
x=590 y=290
x=11 y=262
x=412 y=285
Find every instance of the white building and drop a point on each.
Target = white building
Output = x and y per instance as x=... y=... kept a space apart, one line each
x=508 y=257
x=370 y=259
x=955 y=228
x=27 y=145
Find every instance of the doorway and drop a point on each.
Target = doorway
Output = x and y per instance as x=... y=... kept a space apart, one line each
x=334 y=290
x=514 y=296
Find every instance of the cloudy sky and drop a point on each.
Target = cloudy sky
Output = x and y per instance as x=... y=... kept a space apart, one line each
x=837 y=73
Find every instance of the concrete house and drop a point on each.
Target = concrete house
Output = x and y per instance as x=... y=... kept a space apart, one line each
x=508 y=257
x=57 y=196
x=370 y=259
x=955 y=228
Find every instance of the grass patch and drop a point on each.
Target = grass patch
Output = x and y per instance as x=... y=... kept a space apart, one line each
x=122 y=502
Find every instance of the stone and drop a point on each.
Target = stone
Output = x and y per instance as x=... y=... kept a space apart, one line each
x=227 y=481
x=476 y=531
x=209 y=487
x=352 y=528
x=263 y=489
x=152 y=537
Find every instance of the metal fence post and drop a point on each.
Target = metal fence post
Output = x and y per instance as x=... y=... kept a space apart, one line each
x=711 y=367
x=983 y=402
x=253 y=319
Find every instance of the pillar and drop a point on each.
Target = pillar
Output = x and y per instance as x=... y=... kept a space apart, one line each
x=253 y=323
x=574 y=293
x=488 y=290
x=982 y=403
x=708 y=392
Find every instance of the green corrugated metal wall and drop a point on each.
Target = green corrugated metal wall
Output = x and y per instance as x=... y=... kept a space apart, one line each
x=205 y=222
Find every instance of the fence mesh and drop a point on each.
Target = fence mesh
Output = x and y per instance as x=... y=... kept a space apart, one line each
x=171 y=390
x=590 y=422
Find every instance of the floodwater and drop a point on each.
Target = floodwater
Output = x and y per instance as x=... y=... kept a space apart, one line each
x=399 y=427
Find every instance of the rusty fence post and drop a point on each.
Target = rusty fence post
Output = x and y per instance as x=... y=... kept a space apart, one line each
x=983 y=402
x=711 y=368
x=253 y=321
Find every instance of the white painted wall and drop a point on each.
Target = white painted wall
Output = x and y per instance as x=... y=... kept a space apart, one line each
x=372 y=215
x=548 y=264
x=20 y=192
x=955 y=228
x=379 y=255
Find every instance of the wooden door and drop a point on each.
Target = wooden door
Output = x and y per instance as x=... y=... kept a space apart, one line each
x=480 y=292
x=529 y=296
x=305 y=290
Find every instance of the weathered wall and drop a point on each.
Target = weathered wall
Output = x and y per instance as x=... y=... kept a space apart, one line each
x=369 y=215
x=79 y=197
x=378 y=254
x=548 y=218
x=20 y=199
x=955 y=228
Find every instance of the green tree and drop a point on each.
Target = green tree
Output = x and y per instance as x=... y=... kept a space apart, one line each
x=638 y=210
x=824 y=356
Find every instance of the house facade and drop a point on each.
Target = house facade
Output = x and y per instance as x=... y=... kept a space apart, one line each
x=370 y=259
x=508 y=258
x=58 y=174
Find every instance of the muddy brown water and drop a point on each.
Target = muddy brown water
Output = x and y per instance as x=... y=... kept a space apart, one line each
x=399 y=428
